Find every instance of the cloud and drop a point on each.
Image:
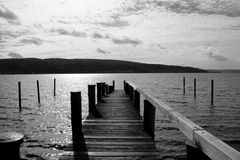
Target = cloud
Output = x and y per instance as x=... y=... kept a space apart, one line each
x=211 y=53
x=14 y=55
x=73 y=33
x=98 y=36
x=7 y=14
x=114 y=21
x=157 y=46
x=33 y=40
x=99 y=50
x=229 y=8
x=126 y=40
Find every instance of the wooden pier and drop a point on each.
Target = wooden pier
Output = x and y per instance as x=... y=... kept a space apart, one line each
x=114 y=128
x=117 y=133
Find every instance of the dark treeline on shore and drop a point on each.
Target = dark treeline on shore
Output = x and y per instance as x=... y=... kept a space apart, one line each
x=55 y=65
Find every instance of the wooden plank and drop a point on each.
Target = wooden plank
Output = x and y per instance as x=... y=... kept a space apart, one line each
x=111 y=154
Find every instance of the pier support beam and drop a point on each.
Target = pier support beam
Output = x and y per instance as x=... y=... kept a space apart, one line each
x=76 y=116
x=136 y=99
x=91 y=98
x=149 y=118
x=194 y=153
x=99 y=92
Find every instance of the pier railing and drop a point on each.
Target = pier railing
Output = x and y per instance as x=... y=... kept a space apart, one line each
x=200 y=144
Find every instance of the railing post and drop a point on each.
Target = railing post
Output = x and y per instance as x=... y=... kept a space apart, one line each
x=91 y=97
x=10 y=144
x=76 y=115
x=194 y=153
x=99 y=92
x=149 y=118
x=136 y=99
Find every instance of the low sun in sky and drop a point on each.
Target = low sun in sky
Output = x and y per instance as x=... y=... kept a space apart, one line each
x=197 y=33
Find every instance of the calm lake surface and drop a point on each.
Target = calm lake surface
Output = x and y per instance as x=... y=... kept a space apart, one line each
x=47 y=127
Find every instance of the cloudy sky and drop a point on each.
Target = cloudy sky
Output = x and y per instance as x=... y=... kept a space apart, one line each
x=198 y=33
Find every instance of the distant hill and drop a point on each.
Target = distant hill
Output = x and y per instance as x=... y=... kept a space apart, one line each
x=41 y=66
x=223 y=71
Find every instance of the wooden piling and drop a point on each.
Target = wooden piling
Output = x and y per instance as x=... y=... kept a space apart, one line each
x=183 y=85
x=19 y=96
x=131 y=92
x=107 y=89
x=10 y=144
x=212 y=91
x=54 y=89
x=99 y=92
x=91 y=97
x=113 y=85
x=76 y=115
x=38 y=92
x=136 y=99
x=149 y=118
x=103 y=89
x=194 y=88
x=193 y=152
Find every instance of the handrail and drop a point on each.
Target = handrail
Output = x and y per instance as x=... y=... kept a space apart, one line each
x=213 y=147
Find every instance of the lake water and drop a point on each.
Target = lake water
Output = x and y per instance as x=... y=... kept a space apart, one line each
x=47 y=127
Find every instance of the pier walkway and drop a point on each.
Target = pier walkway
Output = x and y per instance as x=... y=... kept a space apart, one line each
x=118 y=134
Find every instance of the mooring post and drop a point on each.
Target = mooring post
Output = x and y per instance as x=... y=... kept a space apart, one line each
x=124 y=86
x=212 y=91
x=76 y=115
x=149 y=118
x=54 y=89
x=107 y=89
x=99 y=92
x=131 y=92
x=38 y=92
x=136 y=99
x=10 y=144
x=127 y=88
x=194 y=88
x=113 y=85
x=91 y=97
x=103 y=89
x=193 y=152
x=19 y=96
x=183 y=85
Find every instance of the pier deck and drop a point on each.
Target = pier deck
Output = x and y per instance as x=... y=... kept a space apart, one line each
x=118 y=134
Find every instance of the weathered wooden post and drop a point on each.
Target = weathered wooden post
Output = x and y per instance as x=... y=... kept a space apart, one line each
x=107 y=89
x=76 y=115
x=136 y=99
x=183 y=85
x=19 y=96
x=38 y=92
x=103 y=89
x=194 y=88
x=212 y=91
x=194 y=153
x=10 y=144
x=149 y=118
x=124 y=86
x=91 y=97
x=54 y=88
x=113 y=85
x=131 y=92
x=99 y=92
x=127 y=88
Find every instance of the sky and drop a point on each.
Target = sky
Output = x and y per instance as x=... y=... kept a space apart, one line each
x=197 y=33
